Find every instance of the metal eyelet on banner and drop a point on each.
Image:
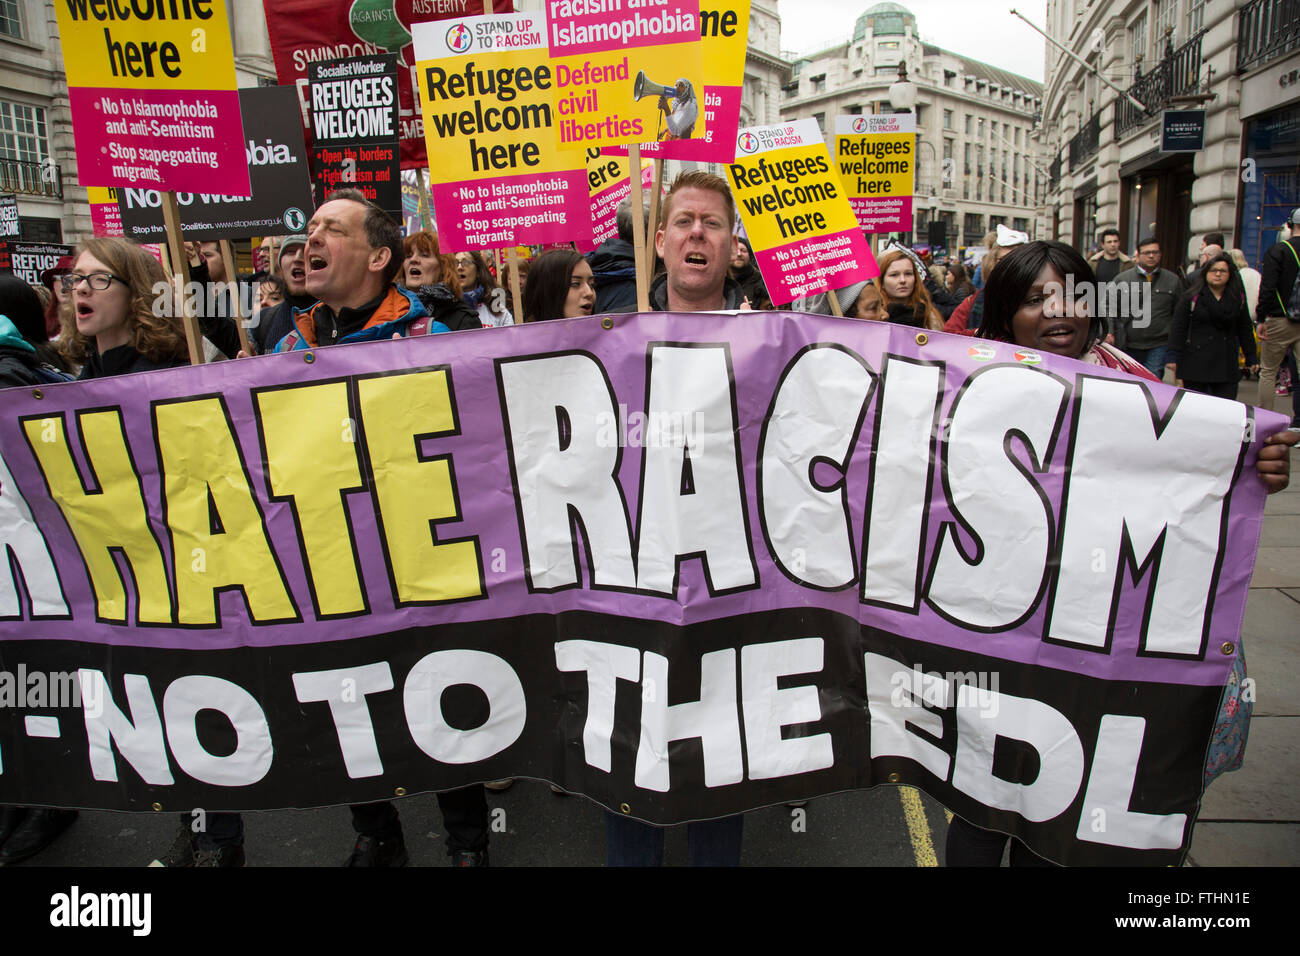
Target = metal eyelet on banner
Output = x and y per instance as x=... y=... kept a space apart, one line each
x=624 y=808
x=37 y=393
x=399 y=792
x=894 y=778
x=157 y=808
x=606 y=323
x=309 y=357
x=1228 y=647
x=922 y=338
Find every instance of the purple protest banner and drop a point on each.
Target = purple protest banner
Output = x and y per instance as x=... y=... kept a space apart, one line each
x=592 y=551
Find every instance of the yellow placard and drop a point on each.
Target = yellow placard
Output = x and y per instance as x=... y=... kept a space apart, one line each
x=488 y=110
x=177 y=45
x=612 y=97
x=876 y=166
x=724 y=32
x=785 y=195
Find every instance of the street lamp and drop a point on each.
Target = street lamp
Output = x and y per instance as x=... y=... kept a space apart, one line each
x=902 y=92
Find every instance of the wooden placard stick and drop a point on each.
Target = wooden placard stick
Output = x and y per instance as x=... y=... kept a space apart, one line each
x=512 y=263
x=834 y=301
x=180 y=276
x=232 y=278
x=638 y=229
x=653 y=226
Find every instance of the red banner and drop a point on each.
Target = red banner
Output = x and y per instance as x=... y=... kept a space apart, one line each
x=306 y=31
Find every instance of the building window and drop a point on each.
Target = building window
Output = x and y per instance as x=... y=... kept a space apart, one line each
x=11 y=19
x=1020 y=225
x=968 y=147
x=1137 y=37
x=818 y=83
x=855 y=110
x=947 y=148
x=1017 y=135
x=970 y=125
x=821 y=121
x=1195 y=16
x=22 y=132
x=947 y=119
x=1166 y=19
x=981 y=128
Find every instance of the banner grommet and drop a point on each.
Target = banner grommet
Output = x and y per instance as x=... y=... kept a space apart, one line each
x=606 y=323
x=37 y=394
x=309 y=358
x=922 y=338
x=624 y=808
x=1228 y=648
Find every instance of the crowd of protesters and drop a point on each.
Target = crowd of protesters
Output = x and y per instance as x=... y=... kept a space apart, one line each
x=353 y=277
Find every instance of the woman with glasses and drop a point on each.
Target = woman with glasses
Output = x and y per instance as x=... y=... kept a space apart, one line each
x=480 y=290
x=119 y=321
x=1211 y=324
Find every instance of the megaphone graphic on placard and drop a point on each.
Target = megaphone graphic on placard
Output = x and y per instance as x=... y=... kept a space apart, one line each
x=655 y=89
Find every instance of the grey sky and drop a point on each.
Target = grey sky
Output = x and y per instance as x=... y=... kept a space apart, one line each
x=980 y=29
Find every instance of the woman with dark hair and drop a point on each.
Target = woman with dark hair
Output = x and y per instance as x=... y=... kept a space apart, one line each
x=959 y=283
x=481 y=292
x=1025 y=302
x=26 y=357
x=114 y=327
x=903 y=294
x=560 y=286
x=1211 y=325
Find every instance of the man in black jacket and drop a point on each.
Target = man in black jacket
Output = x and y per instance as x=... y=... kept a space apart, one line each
x=613 y=266
x=1277 y=331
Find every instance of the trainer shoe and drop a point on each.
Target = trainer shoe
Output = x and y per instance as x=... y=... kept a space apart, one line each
x=371 y=851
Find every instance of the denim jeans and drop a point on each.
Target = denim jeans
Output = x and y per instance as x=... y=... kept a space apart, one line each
x=1153 y=359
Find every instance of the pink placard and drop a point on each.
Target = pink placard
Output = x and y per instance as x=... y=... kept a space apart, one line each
x=181 y=140
x=105 y=219
x=810 y=266
x=884 y=213
x=599 y=30
x=513 y=211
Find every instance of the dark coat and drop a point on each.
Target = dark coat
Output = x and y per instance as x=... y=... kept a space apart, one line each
x=1207 y=334
x=123 y=360
x=1277 y=275
x=613 y=266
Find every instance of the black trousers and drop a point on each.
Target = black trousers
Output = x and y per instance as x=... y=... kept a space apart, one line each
x=464 y=817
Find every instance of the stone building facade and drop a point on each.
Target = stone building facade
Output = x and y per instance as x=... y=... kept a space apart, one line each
x=1239 y=61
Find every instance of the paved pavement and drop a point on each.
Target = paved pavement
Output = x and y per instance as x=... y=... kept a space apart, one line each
x=1248 y=818
x=1252 y=817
